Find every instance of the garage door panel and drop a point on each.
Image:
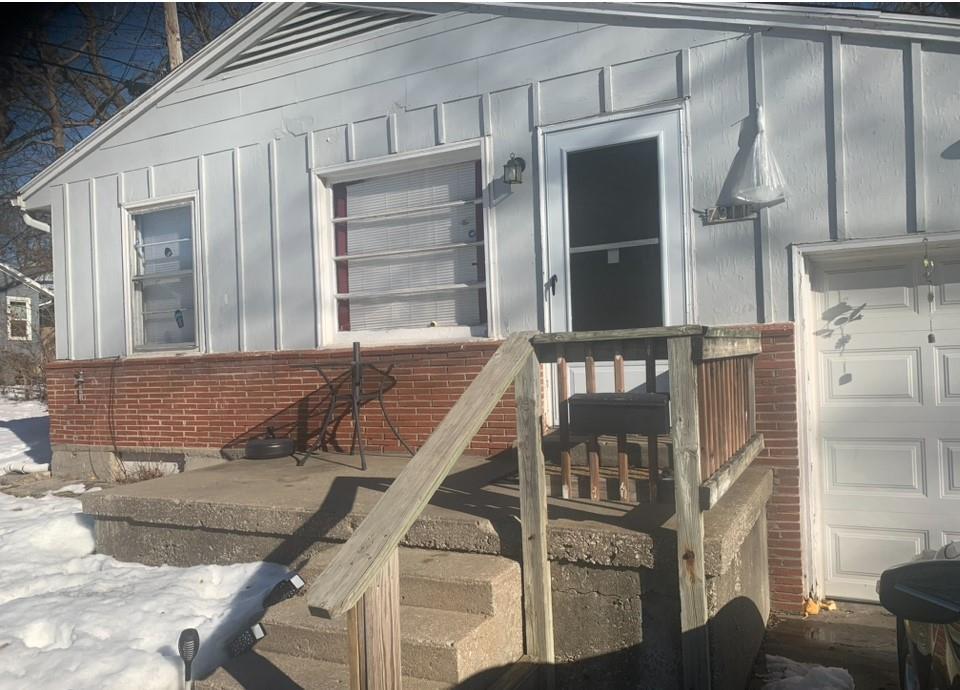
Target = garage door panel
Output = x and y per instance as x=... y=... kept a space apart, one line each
x=882 y=290
x=858 y=554
x=871 y=376
x=875 y=467
x=947 y=293
x=949 y=465
x=947 y=376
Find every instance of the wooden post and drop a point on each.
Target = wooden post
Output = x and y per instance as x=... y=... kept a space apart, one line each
x=374 y=632
x=593 y=445
x=685 y=429
x=623 y=460
x=751 y=396
x=566 y=464
x=537 y=594
x=171 y=25
x=653 y=442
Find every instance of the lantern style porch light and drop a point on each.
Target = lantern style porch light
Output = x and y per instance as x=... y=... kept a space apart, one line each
x=513 y=170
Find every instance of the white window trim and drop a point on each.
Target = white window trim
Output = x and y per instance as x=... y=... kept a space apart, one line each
x=26 y=301
x=324 y=177
x=147 y=206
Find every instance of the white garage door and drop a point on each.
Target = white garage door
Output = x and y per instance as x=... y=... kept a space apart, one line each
x=889 y=414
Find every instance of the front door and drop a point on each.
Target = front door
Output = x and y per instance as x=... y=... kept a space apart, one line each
x=614 y=230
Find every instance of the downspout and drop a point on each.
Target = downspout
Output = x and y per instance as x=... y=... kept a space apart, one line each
x=27 y=218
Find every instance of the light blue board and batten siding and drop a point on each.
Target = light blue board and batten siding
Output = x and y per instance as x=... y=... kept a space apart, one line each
x=463 y=76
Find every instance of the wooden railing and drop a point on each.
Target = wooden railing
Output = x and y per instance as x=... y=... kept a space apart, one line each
x=708 y=399
x=712 y=435
x=362 y=580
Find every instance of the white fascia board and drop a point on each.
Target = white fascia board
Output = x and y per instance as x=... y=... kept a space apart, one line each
x=29 y=282
x=742 y=16
x=240 y=35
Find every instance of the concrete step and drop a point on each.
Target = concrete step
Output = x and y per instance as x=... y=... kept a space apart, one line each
x=459 y=615
x=465 y=582
x=262 y=670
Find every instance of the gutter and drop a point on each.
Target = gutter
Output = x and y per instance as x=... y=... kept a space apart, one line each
x=29 y=282
x=32 y=222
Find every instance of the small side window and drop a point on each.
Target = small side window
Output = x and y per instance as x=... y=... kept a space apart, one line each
x=18 y=318
x=164 y=298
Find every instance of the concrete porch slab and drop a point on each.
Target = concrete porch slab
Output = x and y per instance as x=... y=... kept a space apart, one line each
x=276 y=511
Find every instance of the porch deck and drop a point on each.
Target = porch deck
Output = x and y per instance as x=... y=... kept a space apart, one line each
x=274 y=510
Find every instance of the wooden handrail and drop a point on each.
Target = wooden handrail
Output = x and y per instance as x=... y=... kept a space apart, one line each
x=360 y=561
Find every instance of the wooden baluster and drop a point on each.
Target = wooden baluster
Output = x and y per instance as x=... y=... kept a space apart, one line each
x=653 y=448
x=537 y=593
x=593 y=445
x=623 y=460
x=714 y=420
x=731 y=407
x=751 y=397
x=563 y=394
x=742 y=383
x=703 y=383
x=374 y=632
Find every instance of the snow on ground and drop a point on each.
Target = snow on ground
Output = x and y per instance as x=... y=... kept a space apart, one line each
x=24 y=436
x=74 y=620
x=786 y=674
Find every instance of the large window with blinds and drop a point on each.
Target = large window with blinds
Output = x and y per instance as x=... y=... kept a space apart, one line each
x=163 y=293
x=409 y=250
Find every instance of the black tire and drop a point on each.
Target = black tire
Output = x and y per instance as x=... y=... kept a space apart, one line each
x=266 y=448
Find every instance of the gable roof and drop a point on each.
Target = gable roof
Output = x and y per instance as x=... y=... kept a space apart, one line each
x=272 y=28
x=25 y=280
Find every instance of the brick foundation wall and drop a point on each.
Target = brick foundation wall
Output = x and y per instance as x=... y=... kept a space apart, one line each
x=221 y=400
x=776 y=381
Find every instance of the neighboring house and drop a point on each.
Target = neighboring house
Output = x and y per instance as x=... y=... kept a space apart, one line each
x=26 y=330
x=328 y=173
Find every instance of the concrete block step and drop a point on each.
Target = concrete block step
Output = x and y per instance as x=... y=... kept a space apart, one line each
x=466 y=582
x=263 y=670
x=436 y=644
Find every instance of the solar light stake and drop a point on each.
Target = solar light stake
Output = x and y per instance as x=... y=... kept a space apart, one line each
x=188 y=646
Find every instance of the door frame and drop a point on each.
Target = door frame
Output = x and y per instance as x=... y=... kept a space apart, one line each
x=686 y=277
x=804 y=258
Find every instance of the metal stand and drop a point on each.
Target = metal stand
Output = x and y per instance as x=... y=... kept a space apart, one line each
x=357 y=399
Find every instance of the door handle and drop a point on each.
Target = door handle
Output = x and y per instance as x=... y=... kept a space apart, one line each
x=552 y=284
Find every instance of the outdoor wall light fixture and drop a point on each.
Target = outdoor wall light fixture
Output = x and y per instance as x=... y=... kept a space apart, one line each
x=513 y=170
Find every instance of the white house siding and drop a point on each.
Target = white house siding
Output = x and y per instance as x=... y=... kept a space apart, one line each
x=246 y=141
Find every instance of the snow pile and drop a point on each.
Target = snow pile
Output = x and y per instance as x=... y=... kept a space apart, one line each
x=786 y=674
x=70 y=619
x=24 y=436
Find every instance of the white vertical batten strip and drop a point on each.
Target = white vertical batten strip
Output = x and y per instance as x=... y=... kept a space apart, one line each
x=685 y=73
x=125 y=251
x=238 y=230
x=200 y=234
x=95 y=268
x=275 y=239
x=351 y=143
x=315 y=229
x=606 y=76
x=68 y=306
x=151 y=183
x=756 y=55
x=441 y=122
x=836 y=86
x=535 y=103
x=393 y=145
x=486 y=113
x=915 y=56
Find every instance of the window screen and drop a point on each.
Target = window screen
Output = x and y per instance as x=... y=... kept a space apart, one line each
x=164 y=314
x=410 y=250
